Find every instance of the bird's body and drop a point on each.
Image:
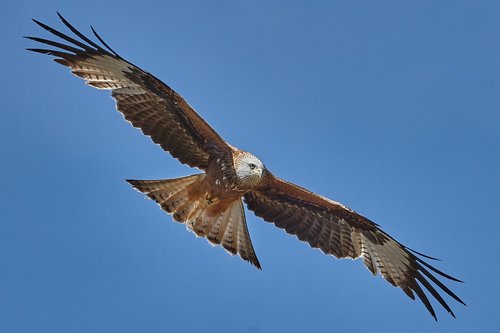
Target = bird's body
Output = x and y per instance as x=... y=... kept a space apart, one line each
x=210 y=203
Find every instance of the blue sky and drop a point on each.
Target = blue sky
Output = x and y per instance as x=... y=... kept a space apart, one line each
x=389 y=107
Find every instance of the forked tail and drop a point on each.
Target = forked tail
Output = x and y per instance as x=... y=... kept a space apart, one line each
x=221 y=222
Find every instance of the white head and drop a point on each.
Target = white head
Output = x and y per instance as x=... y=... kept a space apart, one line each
x=249 y=169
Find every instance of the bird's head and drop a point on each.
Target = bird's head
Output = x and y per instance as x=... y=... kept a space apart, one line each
x=249 y=169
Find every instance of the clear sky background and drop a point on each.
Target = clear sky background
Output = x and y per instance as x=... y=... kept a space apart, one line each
x=391 y=107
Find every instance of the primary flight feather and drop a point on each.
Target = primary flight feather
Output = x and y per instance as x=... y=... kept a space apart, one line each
x=210 y=203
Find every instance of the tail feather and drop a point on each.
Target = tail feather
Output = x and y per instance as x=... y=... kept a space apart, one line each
x=222 y=223
x=168 y=193
x=174 y=202
x=186 y=211
x=216 y=233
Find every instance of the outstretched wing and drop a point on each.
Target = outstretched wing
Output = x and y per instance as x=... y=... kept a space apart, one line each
x=145 y=101
x=341 y=232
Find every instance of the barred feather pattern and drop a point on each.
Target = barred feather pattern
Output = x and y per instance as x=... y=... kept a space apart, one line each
x=144 y=101
x=220 y=223
x=339 y=231
x=162 y=114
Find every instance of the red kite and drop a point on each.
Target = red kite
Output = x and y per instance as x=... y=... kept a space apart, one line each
x=210 y=203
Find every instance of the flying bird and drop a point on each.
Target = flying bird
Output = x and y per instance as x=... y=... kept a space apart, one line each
x=210 y=203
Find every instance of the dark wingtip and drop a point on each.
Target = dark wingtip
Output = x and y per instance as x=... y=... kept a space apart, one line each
x=423 y=255
x=39 y=23
x=104 y=43
x=42 y=51
x=60 y=16
x=435 y=270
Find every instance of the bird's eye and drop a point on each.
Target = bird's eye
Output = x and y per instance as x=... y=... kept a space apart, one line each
x=252 y=166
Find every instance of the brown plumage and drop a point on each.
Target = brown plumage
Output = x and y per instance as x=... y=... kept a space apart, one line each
x=210 y=203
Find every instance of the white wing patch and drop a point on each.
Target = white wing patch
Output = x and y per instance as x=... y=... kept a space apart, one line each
x=389 y=259
x=105 y=72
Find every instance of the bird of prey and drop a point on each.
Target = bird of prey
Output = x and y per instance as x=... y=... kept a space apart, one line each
x=210 y=204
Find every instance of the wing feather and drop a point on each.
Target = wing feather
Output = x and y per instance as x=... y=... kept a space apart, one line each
x=144 y=101
x=343 y=233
